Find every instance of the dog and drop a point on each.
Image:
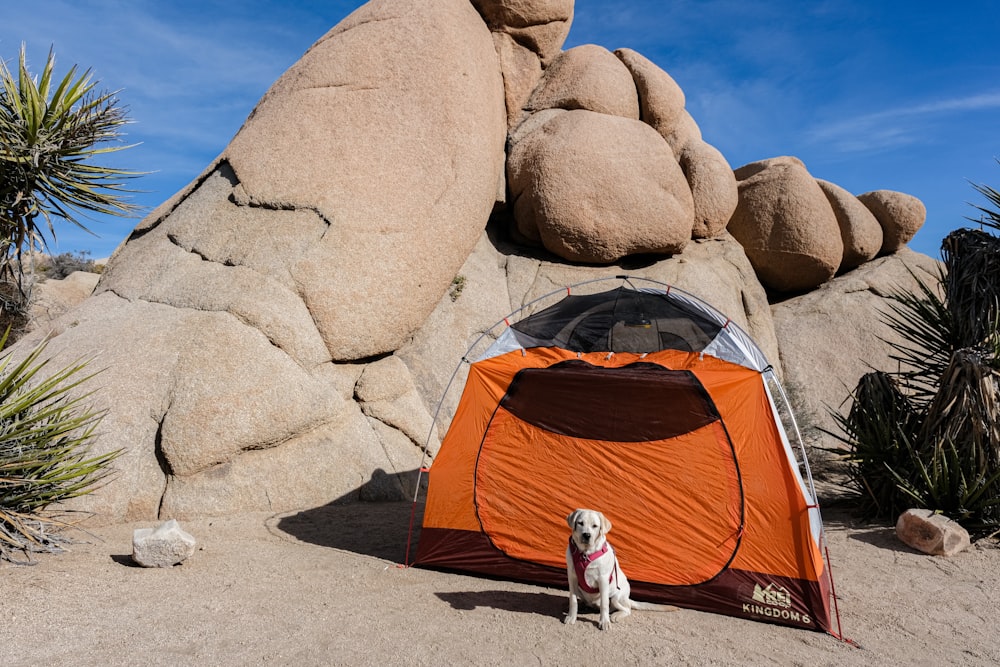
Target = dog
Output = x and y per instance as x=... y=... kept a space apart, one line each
x=594 y=572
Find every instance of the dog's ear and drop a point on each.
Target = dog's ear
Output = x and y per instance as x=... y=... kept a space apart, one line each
x=571 y=519
x=605 y=524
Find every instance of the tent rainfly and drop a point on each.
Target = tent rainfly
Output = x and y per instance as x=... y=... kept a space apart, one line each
x=652 y=407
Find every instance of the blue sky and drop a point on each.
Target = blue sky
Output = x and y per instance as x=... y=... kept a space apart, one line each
x=870 y=95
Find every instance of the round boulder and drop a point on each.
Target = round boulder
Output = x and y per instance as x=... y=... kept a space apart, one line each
x=859 y=230
x=594 y=188
x=661 y=100
x=786 y=225
x=391 y=128
x=713 y=186
x=587 y=77
x=901 y=216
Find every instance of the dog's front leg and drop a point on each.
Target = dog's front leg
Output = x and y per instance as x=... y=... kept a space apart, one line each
x=605 y=591
x=573 y=602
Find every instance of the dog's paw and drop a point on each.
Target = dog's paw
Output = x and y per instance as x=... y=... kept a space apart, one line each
x=569 y=619
x=605 y=624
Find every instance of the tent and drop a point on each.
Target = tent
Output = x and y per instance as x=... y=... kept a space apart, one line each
x=650 y=406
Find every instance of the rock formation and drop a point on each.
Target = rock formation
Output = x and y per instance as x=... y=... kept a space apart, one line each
x=277 y=335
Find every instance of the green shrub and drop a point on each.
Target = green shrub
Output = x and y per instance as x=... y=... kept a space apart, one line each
x=44 y=437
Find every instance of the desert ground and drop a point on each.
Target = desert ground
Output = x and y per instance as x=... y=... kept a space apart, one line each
x=325 y=586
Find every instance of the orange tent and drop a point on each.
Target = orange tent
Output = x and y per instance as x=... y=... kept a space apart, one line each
x=617 y=401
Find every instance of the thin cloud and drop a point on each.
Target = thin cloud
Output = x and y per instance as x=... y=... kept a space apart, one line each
x=898 y=126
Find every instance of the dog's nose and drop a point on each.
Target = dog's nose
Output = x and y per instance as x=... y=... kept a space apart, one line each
x=586 y=537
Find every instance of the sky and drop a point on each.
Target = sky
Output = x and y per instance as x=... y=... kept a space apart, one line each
x=890 y=94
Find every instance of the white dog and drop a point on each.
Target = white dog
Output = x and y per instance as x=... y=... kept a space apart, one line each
x=594 y=573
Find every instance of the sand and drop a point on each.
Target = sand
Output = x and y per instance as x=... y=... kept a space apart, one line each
x=324 y=587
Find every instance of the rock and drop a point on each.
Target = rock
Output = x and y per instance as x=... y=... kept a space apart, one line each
x=163 y=546
x=595 y=188
x=541 y=25
x=786 y=224
x=587 y=77
x=52 y=298
x=713 y=188
x=424 y=180
x=681 y=135
x=859 y=230
x=901 y=216
x=931 y=533
x=661 y=100
x=277 y=334
x=522 y=70
x=830 y=337
x=387 y=394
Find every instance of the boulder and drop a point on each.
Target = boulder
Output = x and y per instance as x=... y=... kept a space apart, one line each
x=594 y=188
x=540 y=25
x=661 y=100
x=859 y=230
x=830 y=337
x=386 y=393
x=901 y=216
x=682 y=134
x=587 y=77
x=522 y=70
x=931 y=533
x=713 y=188
x=424 y=180
x=166 y=545
x=52 y=298
x=786 y=225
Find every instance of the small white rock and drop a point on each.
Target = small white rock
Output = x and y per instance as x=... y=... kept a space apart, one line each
x=163 y=546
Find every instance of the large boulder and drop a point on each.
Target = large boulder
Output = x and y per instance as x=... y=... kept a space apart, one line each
x=901 y=216
x=830 y=337
x=661 y=100
x=787 y=225
x=713 y=188
x=330 y=137
x=595 y=188
x=228 y=323
x=587 y=77
x=859 y=230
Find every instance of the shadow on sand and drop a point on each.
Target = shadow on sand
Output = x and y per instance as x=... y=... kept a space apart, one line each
x=369 y=521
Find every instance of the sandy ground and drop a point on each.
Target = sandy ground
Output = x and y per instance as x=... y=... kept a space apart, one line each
x=323 y=587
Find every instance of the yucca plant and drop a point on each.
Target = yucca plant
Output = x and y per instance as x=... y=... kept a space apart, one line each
x=956 y=469
x=50 y=131
x=45 y=434
x=877 y=436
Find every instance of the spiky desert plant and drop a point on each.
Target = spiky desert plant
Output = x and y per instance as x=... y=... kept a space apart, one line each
x=956 y=468
x=45 y=434
x=877 y=435
x=50 y=131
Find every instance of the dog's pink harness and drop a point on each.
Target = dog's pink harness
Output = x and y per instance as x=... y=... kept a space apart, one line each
x=582 y=560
